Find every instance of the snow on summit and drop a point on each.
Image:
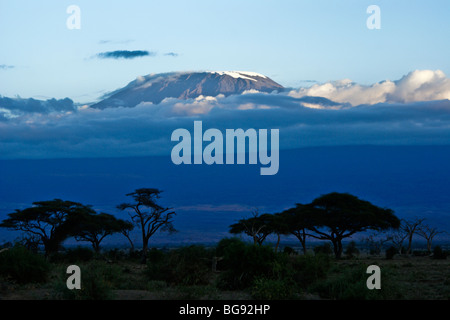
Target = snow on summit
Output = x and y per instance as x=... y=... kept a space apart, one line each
x=155 y=88
x=241 y=74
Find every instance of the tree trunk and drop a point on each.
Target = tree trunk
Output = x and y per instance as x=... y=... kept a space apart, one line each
x=144 y=242
x=337 y=248
x=303 y=242
x=50 y=247
x=278 y=243
x=408 y=251
x=302 y=238
x=144 y=251
x=96 y=246
x=131 y=242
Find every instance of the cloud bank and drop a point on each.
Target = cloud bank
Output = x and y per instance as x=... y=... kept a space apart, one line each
x=419 y=85
x=391 y=114
x=20 y=108
x=124 y=54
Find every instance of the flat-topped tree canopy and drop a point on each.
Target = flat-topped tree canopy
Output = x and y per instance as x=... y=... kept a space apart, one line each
x=51 y=222
x=335 y=216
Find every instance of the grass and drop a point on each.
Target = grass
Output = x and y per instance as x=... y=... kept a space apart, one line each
x=404 y=277
x=416 y=278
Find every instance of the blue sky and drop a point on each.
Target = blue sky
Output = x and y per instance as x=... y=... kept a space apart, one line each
x=290 y=41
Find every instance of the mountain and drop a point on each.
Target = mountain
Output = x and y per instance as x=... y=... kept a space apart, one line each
x=186 y=85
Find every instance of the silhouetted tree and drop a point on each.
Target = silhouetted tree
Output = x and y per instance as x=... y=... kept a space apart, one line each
x=49 y=221
x=297 y=220
x=397 y=237
x=428 y=233
x=376 y=241
x=93 y=227
x=148 y=215
x=279 y=226
x=410 y=228
x=258 y=227
x=336 y=216
x=125 y=228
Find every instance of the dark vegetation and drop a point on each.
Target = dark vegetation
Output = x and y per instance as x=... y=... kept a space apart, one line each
x=35 y=267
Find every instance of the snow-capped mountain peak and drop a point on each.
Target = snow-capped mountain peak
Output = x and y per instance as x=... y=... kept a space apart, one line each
x=155 y=88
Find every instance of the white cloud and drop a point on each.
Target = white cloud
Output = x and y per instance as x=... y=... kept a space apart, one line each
x=419 y=85
x=198 y=106
x=422 y=85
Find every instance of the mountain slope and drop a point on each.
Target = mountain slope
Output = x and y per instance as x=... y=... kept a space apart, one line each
x=186 y=85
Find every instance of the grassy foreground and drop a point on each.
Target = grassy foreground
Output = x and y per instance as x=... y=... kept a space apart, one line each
x=231 y=271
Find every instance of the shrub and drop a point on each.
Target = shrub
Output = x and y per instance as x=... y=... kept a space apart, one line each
x=420 y=253
x=438 y=253
x=350 y=284
x=184 y=266
x=324 y=249
x=226 y=249
x=351 y=250
x=155 y=256
x=135 y=255
x=308 y=269
x=289 y=251
x=115 y=254
x=156 y=285
x=96 y=283
x=242 y=263
x=79 y=254
x=390 y=253
x=271 y=289
x=23 y=266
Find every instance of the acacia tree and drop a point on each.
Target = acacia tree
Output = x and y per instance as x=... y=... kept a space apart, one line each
x=279 y=226
x=410 y=228
x=397 y=238
x=51 y=222
x=297 y=220
x=258 y=227
x=428 y=233
x=125 y=228
x=93 y=227
x=336 y=216
x=148 y=215
x=376 y=241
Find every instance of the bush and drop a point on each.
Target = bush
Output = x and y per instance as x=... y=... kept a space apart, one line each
x=96 y=283
x=351 y=250
x=75 y=255
x=438 y=253
x=226 y=244
x=323 y=249
x=289 y=251
x=307 y=269
x=420 y=253
x=271 y=289
x=351 y=285
x=23 y=266
x=242 y=263
x=184 y=266
x=115 y=254
x=390 y=253
x=155 y=256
